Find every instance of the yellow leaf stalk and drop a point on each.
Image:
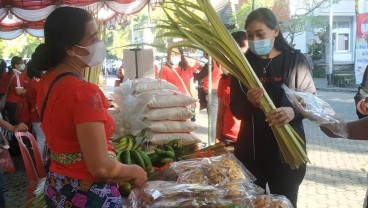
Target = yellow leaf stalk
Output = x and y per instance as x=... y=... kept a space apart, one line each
x=210 y=35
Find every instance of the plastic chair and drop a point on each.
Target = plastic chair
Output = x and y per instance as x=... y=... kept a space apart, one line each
x=41 y=173
x=33 y=175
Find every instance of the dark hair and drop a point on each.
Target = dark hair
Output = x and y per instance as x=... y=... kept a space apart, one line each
x=32 y=70
x=2 y=67
x=269 y=19
x=64 y=27
x=239 y=37
x=15 y=60
x=183 y=63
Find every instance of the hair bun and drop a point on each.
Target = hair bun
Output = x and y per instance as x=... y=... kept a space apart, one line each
x=41 y=58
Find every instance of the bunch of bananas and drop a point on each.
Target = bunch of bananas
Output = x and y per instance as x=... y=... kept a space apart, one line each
x=125 y=143
x=137 y=157
x=166 y=153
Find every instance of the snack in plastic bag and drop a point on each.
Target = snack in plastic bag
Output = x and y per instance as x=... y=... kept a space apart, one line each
x=316 y=110
x=226 y=169
x=170 y=194
x=269 y=201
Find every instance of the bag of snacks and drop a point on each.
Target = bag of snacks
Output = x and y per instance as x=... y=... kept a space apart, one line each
x=163 y=194
x=316 y=110
x=270 y=200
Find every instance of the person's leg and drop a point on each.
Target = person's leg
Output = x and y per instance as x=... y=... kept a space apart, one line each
x=2 y=186
x=10 y=111
x=40 y=137
x=283 y=180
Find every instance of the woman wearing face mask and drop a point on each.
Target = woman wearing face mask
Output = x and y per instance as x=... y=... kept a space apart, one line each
x=16 y=89
x=275 y=63
x=84 y=171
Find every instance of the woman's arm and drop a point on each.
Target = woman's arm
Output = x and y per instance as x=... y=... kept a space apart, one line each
x=9 y=127
x=357 y=130
x=92 y=140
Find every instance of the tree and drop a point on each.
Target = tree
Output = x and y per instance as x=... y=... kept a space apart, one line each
x=293 y=26
x=301 y=20
x=22 y=46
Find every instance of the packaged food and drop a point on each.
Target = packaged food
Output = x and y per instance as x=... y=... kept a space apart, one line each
x=317 y=111
x=162 y=194
x=269 y=201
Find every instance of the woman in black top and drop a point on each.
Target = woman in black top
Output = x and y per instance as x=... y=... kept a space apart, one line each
x=275 y=63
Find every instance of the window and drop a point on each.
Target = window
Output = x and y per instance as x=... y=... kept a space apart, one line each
x=341 y=41
x=341 y=36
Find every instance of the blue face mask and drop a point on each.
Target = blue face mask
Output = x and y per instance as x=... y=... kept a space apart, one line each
x=260 y=47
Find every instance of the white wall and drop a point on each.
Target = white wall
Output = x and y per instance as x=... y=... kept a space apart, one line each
x=300 y=42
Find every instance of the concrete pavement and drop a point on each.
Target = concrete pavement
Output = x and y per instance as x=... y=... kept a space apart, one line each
x=336 y=175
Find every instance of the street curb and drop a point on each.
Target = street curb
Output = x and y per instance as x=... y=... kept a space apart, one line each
x=333 y=89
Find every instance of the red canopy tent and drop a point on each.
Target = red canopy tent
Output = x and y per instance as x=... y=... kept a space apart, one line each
x=18 y=16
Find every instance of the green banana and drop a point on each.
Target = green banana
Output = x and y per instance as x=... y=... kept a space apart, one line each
x=125 y=157
x=137 y=158
x=155 y=158
x=146 y=159
x=165 y=153
x=118 y=155
x=150 y=171
x=169 y=148
x=173 y=143
x=130 y=143
x=166 y=160
x=136 y=145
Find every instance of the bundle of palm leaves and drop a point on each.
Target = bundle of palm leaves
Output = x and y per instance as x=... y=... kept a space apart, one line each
x=198 y=26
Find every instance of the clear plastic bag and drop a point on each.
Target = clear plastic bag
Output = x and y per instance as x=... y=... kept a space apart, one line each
x=170 y=194
x=141 y=85
x=219 y=171
x=316 y=110
x=269 y=201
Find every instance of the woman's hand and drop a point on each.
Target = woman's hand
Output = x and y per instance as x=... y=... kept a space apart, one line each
x=280 y=116
x=254 y=96
x=20 y=127
x=139 y=175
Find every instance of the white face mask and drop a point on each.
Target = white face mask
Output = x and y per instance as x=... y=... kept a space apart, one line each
x=97 y=53
x=22 y=67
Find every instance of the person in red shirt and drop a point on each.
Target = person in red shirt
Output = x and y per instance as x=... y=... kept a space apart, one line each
x=169 y=74
x=16 y=92
x=227 y=126
x=33 y=77
x=84 y=170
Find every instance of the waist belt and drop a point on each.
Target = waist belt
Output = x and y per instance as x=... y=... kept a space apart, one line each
x=70 y=158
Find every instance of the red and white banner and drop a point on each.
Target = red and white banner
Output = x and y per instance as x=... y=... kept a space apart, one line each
x=361 y=51
x=18 y=16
